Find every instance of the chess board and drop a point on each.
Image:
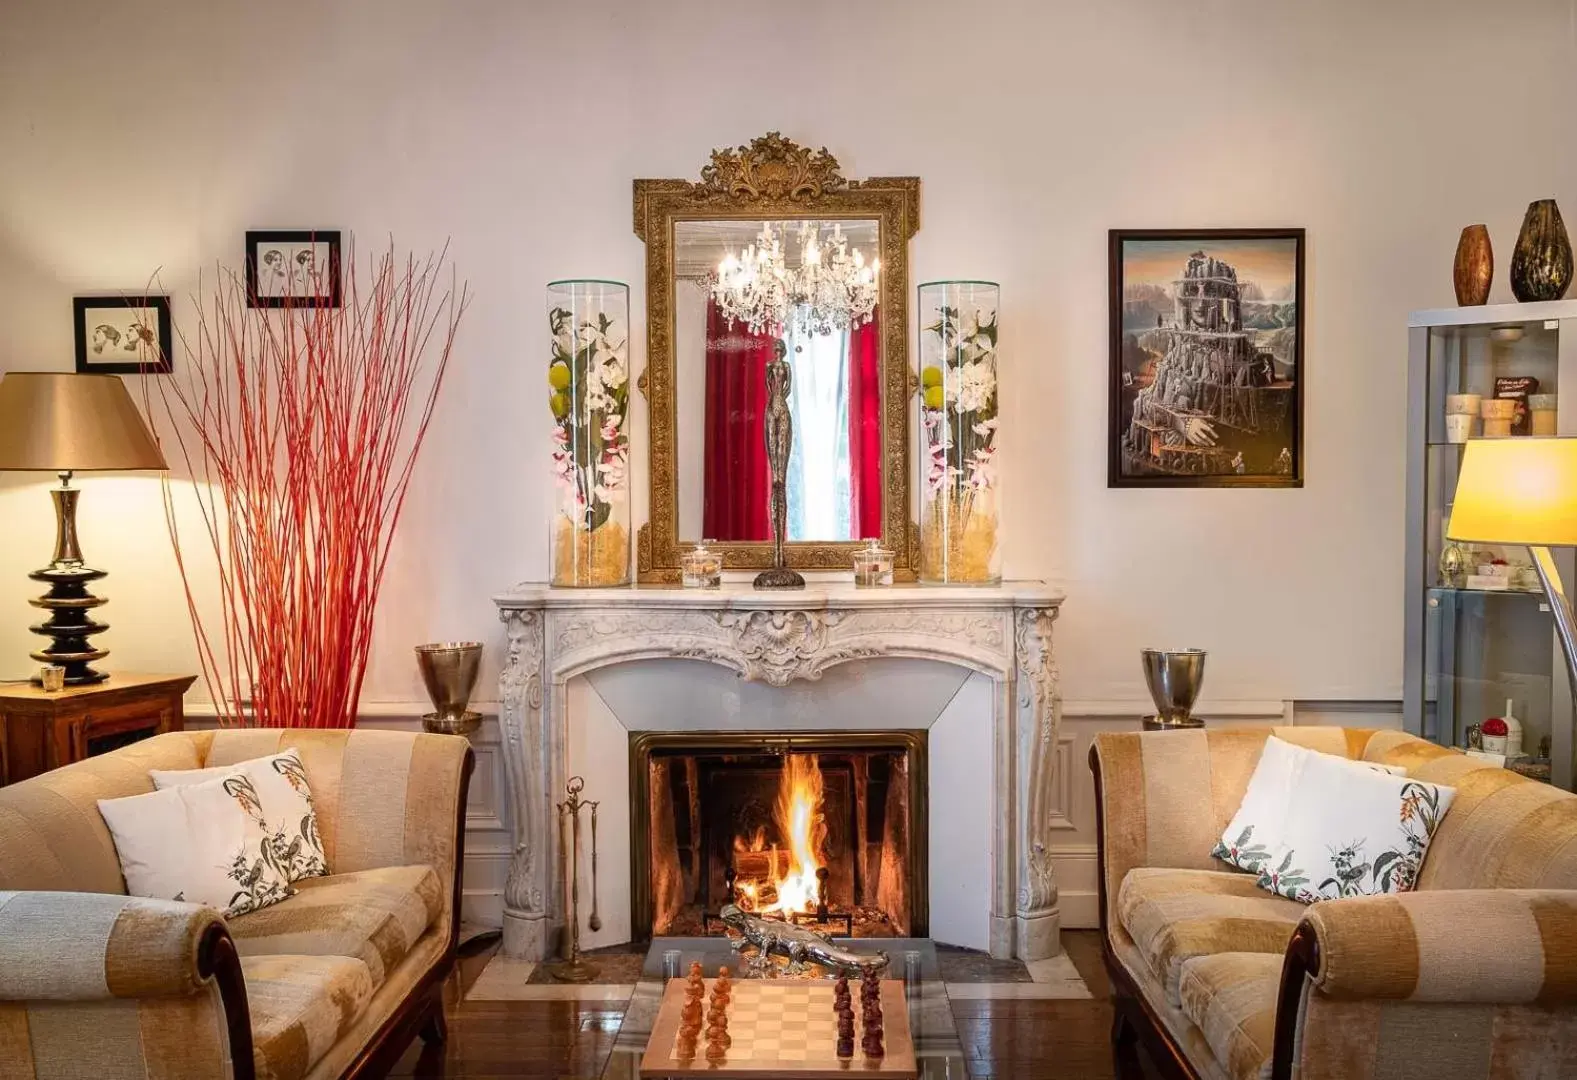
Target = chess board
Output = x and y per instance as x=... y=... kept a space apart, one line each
x=786 y=1029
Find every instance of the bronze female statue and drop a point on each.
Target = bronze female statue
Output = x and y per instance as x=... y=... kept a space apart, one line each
x=779 y=429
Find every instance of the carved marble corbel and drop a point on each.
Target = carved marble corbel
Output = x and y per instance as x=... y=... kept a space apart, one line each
x=778 y=646
x=520 y=698
x=1038 y=916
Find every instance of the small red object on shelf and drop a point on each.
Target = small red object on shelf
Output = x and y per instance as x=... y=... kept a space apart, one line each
x=1494 y=726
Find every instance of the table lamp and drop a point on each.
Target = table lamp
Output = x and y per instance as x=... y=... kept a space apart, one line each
x=1523 y=491
x=66 y=423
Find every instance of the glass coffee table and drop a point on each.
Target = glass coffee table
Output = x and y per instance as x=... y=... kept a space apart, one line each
x=938 y=1052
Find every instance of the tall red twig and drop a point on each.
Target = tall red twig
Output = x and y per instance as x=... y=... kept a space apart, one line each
x=299 y=428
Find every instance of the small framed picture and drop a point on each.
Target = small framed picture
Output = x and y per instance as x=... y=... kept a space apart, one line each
x=293 y=269
x=123 y=335
x=1206 y=360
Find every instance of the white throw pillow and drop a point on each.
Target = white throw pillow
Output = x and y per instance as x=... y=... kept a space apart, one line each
x=1260 y=823
x=195 y=843
x=1341 y=831
x=283 y=808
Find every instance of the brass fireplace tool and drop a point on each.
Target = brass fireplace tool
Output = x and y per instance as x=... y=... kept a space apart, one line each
x=595 y=922
x=574 y=968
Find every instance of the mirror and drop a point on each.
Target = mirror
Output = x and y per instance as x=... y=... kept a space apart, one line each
x=834 y=477
x=847 y=475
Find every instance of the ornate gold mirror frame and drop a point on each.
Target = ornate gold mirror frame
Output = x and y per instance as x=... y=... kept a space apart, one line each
x=774 y=178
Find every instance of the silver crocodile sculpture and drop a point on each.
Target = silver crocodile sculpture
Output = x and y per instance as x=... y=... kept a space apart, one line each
x=774 y=937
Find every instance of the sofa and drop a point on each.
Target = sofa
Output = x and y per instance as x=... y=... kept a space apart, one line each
x=1473 y=975
x=335 y=981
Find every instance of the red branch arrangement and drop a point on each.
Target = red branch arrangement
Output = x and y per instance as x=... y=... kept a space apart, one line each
x=299 y=427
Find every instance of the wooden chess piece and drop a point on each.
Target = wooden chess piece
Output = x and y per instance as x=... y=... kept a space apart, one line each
x=715 y=1050
x=717 y=1032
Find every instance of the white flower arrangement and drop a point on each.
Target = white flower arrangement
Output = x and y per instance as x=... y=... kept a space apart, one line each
x=588 y=378
x=959 y=400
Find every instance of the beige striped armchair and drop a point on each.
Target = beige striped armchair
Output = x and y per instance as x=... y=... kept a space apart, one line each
x=1472 y=977
x=335 y=981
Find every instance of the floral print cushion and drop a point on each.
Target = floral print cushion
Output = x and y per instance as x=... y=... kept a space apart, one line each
x=196 y=843
x=1316 y=827
x=273 y=791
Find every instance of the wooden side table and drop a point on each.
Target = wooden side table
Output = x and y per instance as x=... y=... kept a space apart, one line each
x=41 y=731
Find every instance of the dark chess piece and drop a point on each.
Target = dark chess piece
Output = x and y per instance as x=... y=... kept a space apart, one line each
x=872 y=1042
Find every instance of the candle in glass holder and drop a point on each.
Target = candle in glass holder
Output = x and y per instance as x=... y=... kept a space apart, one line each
x=873 y=566
x=701 y=568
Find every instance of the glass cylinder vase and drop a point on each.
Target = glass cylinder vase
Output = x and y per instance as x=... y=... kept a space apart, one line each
x=959 y=497
x=589 y=395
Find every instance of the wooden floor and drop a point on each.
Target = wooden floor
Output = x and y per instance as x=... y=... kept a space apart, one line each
x=1021 y=1039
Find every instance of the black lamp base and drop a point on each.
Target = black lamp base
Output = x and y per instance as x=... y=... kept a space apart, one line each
x=69 y=625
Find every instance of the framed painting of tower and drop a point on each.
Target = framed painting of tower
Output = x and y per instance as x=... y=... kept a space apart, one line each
x=1206 y=379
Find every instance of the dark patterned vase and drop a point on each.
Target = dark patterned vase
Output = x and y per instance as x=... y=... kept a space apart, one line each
x=1541 y=265
x=1474 y=267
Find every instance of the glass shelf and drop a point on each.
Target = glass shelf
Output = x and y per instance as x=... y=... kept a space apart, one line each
x=1437 y=591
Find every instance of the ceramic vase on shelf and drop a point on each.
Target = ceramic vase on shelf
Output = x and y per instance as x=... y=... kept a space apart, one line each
x=588 y=387
x=1474 y=267
x=1541 y=264
x=959 y=497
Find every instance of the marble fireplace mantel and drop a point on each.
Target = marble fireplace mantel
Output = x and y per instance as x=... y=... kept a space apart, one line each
x=777 y=638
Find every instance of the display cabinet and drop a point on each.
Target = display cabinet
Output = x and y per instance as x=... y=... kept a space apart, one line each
x=1479 y=631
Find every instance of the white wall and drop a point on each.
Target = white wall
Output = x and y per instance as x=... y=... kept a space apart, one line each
x=149 y=135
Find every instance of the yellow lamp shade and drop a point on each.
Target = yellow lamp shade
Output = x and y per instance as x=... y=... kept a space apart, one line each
x=1517 y=491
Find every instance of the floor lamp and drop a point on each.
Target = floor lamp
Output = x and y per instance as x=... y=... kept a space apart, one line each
x=1523 y=491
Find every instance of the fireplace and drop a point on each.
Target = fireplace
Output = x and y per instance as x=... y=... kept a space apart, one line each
x=827 y=829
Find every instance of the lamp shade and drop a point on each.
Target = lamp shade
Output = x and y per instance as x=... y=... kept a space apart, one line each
x=60 y=422
x=1517 y=491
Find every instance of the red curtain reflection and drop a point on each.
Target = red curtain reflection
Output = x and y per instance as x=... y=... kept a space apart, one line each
x=865 y=428
x=737 y=481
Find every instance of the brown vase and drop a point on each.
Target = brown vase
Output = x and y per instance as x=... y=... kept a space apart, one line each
x=1474 y=267
x=1541 y=265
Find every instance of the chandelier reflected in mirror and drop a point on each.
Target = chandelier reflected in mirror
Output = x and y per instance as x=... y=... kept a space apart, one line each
x=830 y=289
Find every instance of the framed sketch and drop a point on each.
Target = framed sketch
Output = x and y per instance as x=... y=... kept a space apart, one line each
x=123 y=335
x=1206 y=368
x=293 y=269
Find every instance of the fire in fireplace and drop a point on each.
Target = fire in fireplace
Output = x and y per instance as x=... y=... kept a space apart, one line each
x=825 y=829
